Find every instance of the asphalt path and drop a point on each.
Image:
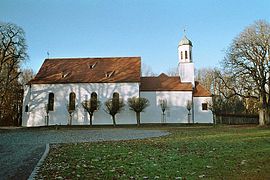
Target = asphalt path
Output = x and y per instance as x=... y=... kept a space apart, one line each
x=21 y=149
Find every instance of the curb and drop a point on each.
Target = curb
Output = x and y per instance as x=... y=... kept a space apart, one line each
x=35 y=171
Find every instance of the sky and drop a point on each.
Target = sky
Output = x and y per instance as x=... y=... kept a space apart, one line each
x=150 y=29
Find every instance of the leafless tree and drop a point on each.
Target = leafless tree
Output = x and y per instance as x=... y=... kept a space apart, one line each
x=164 y=107
x=248 y=64
x=147 y=70
x=138 y=104
x=173 y=71
x=12 y=54
x=91 y=106
x=114 y=106
x=189 y=107
x=26 y=75
x=47 y=117
x=207 y=77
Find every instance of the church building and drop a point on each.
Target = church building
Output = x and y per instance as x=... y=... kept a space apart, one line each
x=62 y=80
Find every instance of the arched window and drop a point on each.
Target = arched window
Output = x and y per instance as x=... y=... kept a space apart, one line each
x=115 y=100
x=186 y=56
x=94 y=95
x=72 y=97
x=116 y=95
x=51 y=102
x=26 y=108
x=181 y=54
x=190 y=55
x=94 y=100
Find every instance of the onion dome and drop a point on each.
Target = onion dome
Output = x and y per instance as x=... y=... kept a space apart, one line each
x=185 y=41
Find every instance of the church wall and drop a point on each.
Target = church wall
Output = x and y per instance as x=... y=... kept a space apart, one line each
x=186 y=72
x=202 y=116
x=36 y=98
x=177 y=101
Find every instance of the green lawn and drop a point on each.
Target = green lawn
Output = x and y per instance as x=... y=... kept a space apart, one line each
x=226 y=152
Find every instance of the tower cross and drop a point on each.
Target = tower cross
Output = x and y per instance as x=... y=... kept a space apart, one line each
x=184 y=30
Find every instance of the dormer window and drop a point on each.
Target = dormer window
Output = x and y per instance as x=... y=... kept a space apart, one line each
x=108 y=74
x=65 y=74
x=92 y=66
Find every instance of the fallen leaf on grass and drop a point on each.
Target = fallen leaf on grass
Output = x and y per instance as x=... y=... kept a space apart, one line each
x=243 y=162
x=201 y=176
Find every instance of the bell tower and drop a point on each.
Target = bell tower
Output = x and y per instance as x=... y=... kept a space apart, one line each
x=185 y=65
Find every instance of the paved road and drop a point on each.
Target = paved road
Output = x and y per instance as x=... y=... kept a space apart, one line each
x=21 y=149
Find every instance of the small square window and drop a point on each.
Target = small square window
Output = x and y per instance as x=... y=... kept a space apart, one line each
x=204 y=106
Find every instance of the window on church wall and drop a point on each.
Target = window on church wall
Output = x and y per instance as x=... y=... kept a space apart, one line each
x=115 y=100
x=94 y=100
x=204 y=106
x=51 y=102
x=94 y=95
x=186 y=56
x=116 y=95
x=26 y=108
x=181 y=54
x=190 y=55
x=72 y=98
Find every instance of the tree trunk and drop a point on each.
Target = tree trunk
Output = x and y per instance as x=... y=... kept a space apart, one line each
x=214 y=119
x=114 y=123
x=138 y=117
x=264 y=117
x=91 y=117
x=47 y=120
x=70 y=119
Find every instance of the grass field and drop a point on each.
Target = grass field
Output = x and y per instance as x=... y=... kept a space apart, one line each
x=226 y=152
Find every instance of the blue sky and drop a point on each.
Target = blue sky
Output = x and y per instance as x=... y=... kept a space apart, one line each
x=147 y=28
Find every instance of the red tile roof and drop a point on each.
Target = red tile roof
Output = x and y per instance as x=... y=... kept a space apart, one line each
x=172 y=83
x=164 y=83
x=89 y=70
x=201 y=91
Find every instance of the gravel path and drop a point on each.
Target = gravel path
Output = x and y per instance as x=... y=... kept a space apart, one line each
x=21 y=149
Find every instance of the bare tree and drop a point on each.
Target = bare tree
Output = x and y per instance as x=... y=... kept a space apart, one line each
x=164 y=107
x=12 y=54
x=114 y=106
x=189 y=107
x=207 y=77
x=173 y=71
x=248 y=63
x=70 y=112
x=47 y=117
x=91 y=106
x=138 y=104
x=147 y=70
x=26 y=75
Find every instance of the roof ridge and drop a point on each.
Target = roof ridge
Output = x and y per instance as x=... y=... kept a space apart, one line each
x=73 y=58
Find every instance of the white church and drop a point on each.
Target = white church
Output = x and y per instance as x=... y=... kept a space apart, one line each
x=63 y=79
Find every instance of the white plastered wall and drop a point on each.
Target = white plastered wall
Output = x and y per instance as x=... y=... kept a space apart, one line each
x=182 y=49
x=36 y=98
x=202 y=116
x=177 y=101
x=186 y=72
